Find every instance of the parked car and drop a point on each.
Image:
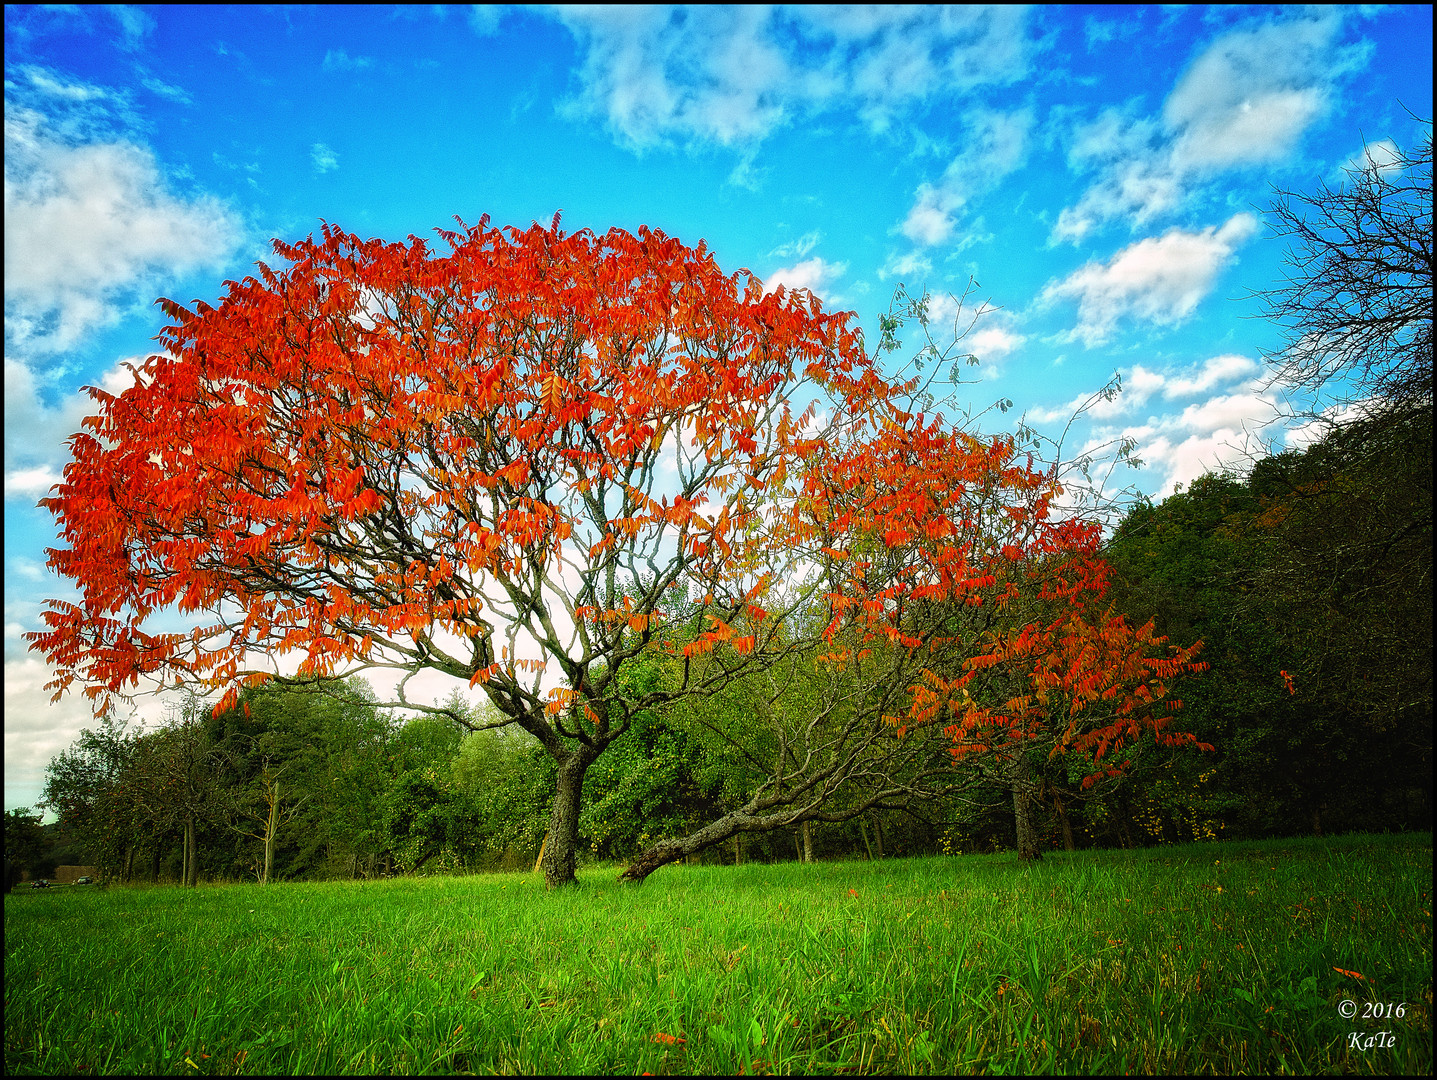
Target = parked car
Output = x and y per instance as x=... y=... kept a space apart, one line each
x=85 y=881
x=41 y=884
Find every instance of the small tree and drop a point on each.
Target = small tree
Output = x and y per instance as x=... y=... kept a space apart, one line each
x=269 y=805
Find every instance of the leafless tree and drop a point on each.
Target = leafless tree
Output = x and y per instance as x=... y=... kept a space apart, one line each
x=1358 y=302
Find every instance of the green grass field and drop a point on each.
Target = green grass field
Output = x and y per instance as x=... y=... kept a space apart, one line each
x=1216 y=958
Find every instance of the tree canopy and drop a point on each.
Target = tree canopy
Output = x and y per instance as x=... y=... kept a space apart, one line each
x=503 y=459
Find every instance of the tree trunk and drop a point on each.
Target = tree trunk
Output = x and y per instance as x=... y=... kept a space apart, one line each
x=192 y=862
x=863 y=832
x=877 y=836
x=1068 y=844
x=271 y=826
x=561 y=858
x=668 y=851
x=808 y=841
x=1024 y=796
x=129 y=863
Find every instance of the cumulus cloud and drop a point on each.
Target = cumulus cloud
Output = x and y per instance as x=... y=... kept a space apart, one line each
x=88 y=225
x=732 y=74
x=1222 y=432
x=1381 y=158
x=36 y=447
x=1245 y=100
x=1159 y=280
x=35 y=729
x=995 y=145
x=1238 y=376
x=815 y=274
x=1218 y=371
x=31 y=484
x=1221 y=425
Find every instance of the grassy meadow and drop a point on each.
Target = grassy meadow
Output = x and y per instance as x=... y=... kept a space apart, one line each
x=1214 y=958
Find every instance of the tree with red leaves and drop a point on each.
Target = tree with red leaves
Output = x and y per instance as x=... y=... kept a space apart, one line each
x=500 y=461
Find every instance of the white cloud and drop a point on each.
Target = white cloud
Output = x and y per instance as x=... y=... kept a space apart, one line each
x=28 y=569
x=731 y=74
x=814 y=274
x=165 y=90
x=1159 y=280
x=993 y=342
x=931 y=220
x=1140 y=384
x=35 y=729
x=913 y=266
x=1227 y=368
x=797 y=249
x=1134 y=178
x=994 y=145
x=1380 y=157
x=51 y=85
x=1303 y=435
x=134 y=23
x=325 y=160
x=32 y=483
x=1223 y=432
x=89 y=225
x=1251 y=94
x=339 y=60
x=1245 y=100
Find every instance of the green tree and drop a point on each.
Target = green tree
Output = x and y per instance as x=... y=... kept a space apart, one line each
x=1310 y=581
x=26 y=846
x=85 y=786
x=307 y=776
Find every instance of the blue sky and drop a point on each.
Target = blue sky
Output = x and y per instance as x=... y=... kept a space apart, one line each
x=1101 y=172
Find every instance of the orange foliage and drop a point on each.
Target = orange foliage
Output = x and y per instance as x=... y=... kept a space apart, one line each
x=340 y=457
x=383 y=442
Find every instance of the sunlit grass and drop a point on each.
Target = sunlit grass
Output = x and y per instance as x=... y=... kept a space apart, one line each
x=1217 y=958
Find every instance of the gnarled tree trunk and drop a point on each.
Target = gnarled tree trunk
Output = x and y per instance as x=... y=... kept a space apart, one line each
x=667 y=851
x=561 y=852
